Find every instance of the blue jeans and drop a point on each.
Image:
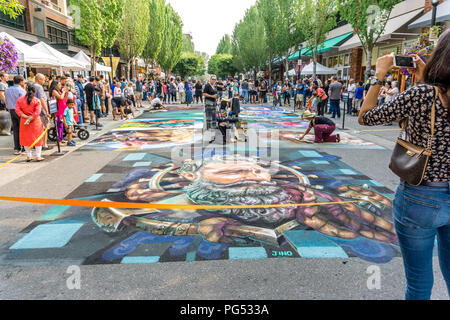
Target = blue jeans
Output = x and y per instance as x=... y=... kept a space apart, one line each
x=80 y=112
x=335 y=106
x=245 y=94
x=420 y=214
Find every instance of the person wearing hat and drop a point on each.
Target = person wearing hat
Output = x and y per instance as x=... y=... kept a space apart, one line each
x=323 y=128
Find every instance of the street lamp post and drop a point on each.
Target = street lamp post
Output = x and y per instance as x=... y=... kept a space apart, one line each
x=433 y=14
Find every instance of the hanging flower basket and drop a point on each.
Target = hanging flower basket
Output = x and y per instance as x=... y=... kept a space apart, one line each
x=8 y=55
x=422 y=47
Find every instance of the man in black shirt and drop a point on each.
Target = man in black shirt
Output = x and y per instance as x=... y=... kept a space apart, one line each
x=323 y=128
x=89 y=91
x=220 y=88
x=210 y=95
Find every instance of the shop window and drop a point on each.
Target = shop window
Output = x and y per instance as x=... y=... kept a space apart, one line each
x=56 y=35
x=347 y=60
x=18 y=23
x=39 y=27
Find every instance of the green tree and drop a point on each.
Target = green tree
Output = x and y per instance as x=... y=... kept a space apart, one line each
x=368 y=19
x=222 y=65
x=133 y=34
x=110 y=10
x=189 y=64
x=89 y=32
x=12 y=8
x=98 y=24
x=155 y=35
x=267 y=13
x=315 y=18
x=187 y=44
x=281 y=31
x=224 y=45
x=172 y=42
x=249 y=45
x=289 y=31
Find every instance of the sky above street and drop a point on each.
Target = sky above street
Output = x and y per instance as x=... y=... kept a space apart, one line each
x=209 y=20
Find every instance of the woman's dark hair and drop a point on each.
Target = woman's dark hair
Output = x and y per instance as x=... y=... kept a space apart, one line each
x=53 y=87
x=437 y=70
x=31 y=90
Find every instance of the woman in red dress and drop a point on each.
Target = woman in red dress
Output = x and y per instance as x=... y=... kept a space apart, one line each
x=28 y=108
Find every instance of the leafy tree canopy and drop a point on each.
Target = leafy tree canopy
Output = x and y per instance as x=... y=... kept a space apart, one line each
x=189 y=64
x=12 y=8
x=224 y=45
x=222 y=65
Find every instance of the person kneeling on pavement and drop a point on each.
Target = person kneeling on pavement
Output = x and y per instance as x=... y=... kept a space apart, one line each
x=156 y=104
x=323 y=128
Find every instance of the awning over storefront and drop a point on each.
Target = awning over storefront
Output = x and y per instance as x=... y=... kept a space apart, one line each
x=323 y=47
x=442 y=14
x=391 y=27
x=28 y=56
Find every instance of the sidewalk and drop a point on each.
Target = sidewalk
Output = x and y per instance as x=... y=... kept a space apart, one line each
x=21 y=168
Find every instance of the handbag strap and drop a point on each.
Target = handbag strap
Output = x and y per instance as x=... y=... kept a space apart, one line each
x=433 y=120
x=404 y=122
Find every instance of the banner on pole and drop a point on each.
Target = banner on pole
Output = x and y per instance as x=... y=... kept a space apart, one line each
x=115 y=62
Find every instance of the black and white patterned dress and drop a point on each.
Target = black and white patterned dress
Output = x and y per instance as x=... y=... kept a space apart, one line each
x=416 y=104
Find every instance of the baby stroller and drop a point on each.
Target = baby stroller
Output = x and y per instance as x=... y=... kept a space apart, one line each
x=80 y=130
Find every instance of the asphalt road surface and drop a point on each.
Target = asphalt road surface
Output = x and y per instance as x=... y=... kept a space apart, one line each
x=48 y=274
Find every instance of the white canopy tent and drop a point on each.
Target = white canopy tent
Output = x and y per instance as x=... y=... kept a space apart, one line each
x=84 y=59
x=320 y=69
x=290 y=73
x=65 y=62
x=29 y=56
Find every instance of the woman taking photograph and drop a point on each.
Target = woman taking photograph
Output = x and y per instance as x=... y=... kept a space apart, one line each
x=60 y=94
x=28 y=108
x=420 y=212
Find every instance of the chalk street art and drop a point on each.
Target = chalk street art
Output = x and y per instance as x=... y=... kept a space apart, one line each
x=159 y=124
x=286 y=125
x=144 y=171
x=292 y=140
x=103 y=236
x=145 y=139
x=175 y=111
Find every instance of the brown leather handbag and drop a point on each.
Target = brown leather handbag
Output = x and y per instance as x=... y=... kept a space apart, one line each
x=409 y=161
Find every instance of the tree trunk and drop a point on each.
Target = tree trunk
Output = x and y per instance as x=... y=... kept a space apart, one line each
x=270 y=70
x=93 y=65
x=128 y=68
x=369 y=62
